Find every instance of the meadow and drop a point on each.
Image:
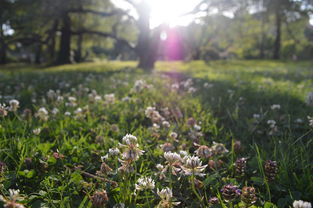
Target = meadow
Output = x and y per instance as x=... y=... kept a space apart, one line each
x=105 y=134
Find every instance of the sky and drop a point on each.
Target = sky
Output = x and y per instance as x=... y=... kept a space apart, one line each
x=170 y=11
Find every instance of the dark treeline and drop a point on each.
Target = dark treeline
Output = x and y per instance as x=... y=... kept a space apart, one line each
x=72 y=31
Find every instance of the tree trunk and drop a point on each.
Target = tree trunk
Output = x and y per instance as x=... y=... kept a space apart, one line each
x=277 y=44
x=78 y=52
x=147 y=45
x=38 y=53
x=52 y=42
x=3 y=48
x=64 y=56
x=262 y=53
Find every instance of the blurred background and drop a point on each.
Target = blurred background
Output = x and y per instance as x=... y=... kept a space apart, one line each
x=56 y=32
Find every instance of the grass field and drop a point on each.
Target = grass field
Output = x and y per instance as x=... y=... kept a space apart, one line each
x=222 y=134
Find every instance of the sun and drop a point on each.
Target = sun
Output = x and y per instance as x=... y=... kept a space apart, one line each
x=171 y=12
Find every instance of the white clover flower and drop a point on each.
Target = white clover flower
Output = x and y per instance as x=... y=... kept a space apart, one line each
x=149 y=111
x=37 y=131
x=109 y=98
x=256 y=116
x=114 y=151
x=11 y=201
x=183 y=153
x=129 y=139
x=139 y=85
x=172 y=157
x=173 y=135
x=42 y=114
x=310 y=121
x=131 y=149
x=271 y=123
x=197 y=127
x=67 y=113
x=275 y=107
x=299 y=121
x=159 y=167
x=3 y=110
x=219 y=148
x=193 y=166
x=51 y=94
x=144 y=184
x=55 y=111
x=301 y=204
x=14 y=105
x=165 y=194
x=166 y=124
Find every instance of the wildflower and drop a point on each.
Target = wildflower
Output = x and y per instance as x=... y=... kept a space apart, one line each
x=109 y=98
x=114 y=151
x=79 y=113
x=173 y=162
x=10 y=202
x=51 y=94
x=153 y=114
x=105 y=169
x=139 y=85
x=119 y=205
x=131 y=152
x=159 y=166
x=67 y=113
x=166 y=196
x=193 y=166
x=310 y=121
x=309 y=99
x=99 y=198
x=3 y=110
x=197 y=127
x=213 y=200
x=219 y=148
x=166 y=124
x=173 y=135
x=204 y=151
x=271 y=123
x=237 y=146
x=167 y=147
x=301 y=204
x=248 y=195
x=230 y=192
x=270 y=169
x=144 y=183
x=37 y=131
x=256 y=116
x=240 y=166
x=72 y=102
x=55 y=111
x=2 y=167
x=14 y=105
x=42 y=114
x=275 y=107
x=172 y=158
x=115 y=128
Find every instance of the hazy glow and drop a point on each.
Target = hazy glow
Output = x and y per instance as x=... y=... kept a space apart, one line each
x=171 y=11
x=166 y=11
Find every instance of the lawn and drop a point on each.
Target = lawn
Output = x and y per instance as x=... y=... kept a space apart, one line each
x=105 y=134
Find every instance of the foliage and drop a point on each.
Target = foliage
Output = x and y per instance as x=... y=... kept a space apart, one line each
x=67 y=158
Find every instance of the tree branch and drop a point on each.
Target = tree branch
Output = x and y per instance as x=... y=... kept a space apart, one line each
x=106 y=35
x=100 y=13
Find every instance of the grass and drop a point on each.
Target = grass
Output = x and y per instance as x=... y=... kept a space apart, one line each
x=226 y=102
